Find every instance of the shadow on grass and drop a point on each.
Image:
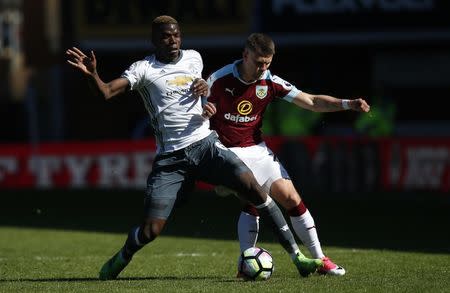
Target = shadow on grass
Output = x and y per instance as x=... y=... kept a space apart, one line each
x=159 y=278
x=406 y=222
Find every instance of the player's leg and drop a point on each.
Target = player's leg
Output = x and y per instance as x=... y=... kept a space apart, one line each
x=260 y=160
x=248 y=221
x=248 y=227
x=160 y=198
x=303 y=223
x=275 y=180
x=137 y=238
x=233 y=173
x=270 y=212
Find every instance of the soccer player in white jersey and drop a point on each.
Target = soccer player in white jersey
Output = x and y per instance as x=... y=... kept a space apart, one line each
x=240 y=93
x=170 y=85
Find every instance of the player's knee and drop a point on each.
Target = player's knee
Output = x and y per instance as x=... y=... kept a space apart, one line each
x=290 y=201
x=284 y=192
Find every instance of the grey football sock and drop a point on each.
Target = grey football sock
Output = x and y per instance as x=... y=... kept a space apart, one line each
x=272 y=213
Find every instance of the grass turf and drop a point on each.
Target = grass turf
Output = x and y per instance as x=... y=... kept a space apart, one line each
x=45 y=260
x=57 y=241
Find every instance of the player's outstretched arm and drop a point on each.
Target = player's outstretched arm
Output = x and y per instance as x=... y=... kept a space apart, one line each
x=325 y=103
x=88 y=66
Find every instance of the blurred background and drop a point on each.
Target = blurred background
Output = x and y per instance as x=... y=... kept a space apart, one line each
x=55 y=136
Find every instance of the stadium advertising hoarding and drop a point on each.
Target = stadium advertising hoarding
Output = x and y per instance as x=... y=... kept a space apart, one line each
x=121 y=164
x=359 y=19
x=328 y=164
x=132 y=19
x=416 y=164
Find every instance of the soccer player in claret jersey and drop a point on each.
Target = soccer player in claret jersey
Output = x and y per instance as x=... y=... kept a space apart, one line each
x=240 y=93
x=170 y=84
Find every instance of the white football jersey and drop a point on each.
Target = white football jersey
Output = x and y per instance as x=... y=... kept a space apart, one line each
x=175 y=114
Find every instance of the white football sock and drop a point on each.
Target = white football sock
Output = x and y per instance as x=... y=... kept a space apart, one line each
x=248 y=228
x=305 y=229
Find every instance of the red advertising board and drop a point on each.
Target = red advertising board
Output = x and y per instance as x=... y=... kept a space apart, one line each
x=123 y=164
x=416 y=164
x=324 y=163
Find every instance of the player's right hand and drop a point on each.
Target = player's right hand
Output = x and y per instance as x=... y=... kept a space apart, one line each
x=78 y=59
x=209 y=109
x=359 y=105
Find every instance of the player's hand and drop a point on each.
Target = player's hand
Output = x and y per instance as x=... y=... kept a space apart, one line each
x=199 y=88
x=359 y=105
x=78 y=59
x=209 y=109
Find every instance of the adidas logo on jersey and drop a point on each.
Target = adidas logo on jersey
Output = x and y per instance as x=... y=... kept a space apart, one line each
x=239 y=118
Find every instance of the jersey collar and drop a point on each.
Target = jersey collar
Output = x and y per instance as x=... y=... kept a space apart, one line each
x=180 y=56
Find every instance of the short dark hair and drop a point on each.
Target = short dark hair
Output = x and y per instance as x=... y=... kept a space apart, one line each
x=161 y=20
x=261 y=44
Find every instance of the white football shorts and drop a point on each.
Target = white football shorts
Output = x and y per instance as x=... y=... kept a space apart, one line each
x=263 y=163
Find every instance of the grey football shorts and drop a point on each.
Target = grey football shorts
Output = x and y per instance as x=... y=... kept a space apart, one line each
x=174 y=174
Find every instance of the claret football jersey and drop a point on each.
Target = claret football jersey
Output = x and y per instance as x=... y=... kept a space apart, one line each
x=241 y=105
x=175 y=114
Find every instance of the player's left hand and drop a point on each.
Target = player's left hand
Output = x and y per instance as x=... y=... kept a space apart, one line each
x=199 y=87
x=359 y=105
x=209 y=109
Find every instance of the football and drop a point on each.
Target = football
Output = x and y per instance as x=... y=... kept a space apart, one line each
x=255 y=264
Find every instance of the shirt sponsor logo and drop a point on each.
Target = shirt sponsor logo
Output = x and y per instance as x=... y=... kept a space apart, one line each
x=261 y=91
x=244 y=107
x=239 y=119
x=181 y=80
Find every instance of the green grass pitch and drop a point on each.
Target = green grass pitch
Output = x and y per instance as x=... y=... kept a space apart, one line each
x=44 y=260
x=57 y=242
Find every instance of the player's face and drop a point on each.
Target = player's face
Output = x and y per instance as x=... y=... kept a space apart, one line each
x=255 y=64
x=167 y=40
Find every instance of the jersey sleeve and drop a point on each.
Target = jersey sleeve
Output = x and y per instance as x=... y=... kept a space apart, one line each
x=213 y=80
x=210 y=81
x=283 y=89
x=135 y=74
x=195 y=62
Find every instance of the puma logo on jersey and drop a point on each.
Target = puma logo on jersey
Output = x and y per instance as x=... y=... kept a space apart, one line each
x=230 y=91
